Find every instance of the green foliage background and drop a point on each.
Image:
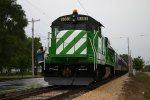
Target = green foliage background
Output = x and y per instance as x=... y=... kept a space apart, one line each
x=15 y=47
x=138 y=63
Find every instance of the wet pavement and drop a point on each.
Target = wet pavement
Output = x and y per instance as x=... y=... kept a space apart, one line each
x=21 y=84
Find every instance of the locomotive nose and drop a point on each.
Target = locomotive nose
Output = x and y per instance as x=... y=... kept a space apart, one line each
x=71 y=42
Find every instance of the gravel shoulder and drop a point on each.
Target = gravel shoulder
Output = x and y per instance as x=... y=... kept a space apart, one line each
x=109 y=91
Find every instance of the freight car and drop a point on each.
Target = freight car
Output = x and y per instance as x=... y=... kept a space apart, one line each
x=78 y=52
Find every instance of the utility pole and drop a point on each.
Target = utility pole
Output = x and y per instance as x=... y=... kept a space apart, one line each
x=129 y=60
x=129 y=57
x=33 y=21
x=130 y=64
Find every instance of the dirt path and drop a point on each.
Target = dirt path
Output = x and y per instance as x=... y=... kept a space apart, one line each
x=137 y=88
x=109 y=91
x=148 y=73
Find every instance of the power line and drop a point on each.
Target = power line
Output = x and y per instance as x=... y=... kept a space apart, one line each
x=39 y=12
x=37 y=8
x=82 y=7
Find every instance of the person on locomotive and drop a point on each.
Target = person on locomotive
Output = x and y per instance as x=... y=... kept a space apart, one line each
x=40 y=58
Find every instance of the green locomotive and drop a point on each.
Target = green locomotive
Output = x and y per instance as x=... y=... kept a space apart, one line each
x=78 y=52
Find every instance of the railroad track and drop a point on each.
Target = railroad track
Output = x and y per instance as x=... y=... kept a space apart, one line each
x=56 y=92
x=46 y=93
x=69 y=92
x=26 y=93
x=77 y=91
x=59 y=93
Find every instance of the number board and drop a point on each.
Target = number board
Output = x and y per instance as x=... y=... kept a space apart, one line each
x=65 y=19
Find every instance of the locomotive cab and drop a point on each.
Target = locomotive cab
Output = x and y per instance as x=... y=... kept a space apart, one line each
x=70 y=49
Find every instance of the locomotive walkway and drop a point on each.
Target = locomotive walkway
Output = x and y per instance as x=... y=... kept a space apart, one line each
x=109 y=91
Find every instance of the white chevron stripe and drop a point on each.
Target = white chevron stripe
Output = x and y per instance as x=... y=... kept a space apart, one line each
x=80 y=42
x=60 y=34
x=71 y=51
x=77 y=45
x=49 y=40
x=99 y=45
x=84 y=51
x=67 y=41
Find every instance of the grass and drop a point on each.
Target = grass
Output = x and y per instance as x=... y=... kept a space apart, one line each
x=145 y=79
x=5 y=76
x=15 y=76
x=147 y=95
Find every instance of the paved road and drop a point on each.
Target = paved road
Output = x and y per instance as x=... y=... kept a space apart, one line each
x=21 y=84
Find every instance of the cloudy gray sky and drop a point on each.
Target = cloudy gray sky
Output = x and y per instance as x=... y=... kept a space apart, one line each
x=121 y=18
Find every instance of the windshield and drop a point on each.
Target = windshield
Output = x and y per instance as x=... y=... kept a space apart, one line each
x=74 y=27
x=71 y=27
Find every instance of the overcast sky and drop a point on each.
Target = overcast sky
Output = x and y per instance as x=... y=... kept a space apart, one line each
x=121 y=18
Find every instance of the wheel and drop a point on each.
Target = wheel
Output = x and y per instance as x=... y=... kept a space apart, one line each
x=98 y=74
x=107 y=72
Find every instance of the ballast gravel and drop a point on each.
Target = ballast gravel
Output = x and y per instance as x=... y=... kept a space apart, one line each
x=108 y=91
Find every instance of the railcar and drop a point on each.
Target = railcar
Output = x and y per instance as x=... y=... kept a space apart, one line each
x=78 y=52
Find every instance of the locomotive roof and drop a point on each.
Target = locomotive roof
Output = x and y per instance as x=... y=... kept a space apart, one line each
x=76 y=18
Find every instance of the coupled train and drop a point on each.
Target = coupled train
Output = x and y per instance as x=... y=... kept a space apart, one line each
x=78 y=52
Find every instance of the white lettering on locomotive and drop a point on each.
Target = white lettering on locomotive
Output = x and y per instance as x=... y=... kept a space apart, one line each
x=82 y=18
x=65 y=19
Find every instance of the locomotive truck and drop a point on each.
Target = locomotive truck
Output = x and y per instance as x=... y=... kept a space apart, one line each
x=78 y=52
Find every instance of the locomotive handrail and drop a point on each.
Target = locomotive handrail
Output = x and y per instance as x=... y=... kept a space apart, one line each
x=93 y=51
x=95 y=48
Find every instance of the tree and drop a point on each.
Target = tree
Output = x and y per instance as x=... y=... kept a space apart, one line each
x=147 y=67
x=12 y=34
x=138 y=63
x=15 y=47
x=125 y=57
x=37 y=45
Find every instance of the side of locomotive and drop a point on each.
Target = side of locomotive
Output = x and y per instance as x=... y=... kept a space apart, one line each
x=78 y=53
